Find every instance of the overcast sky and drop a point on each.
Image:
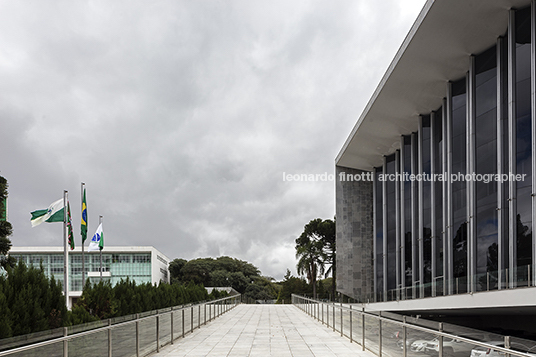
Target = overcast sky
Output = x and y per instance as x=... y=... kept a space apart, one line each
x=182 y=116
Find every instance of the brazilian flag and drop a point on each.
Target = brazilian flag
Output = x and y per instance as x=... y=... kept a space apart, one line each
x=83 y=227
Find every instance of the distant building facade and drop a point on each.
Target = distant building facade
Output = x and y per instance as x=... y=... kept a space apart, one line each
x=139 y=264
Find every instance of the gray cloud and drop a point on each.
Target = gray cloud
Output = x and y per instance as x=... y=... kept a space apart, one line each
x=181 y=117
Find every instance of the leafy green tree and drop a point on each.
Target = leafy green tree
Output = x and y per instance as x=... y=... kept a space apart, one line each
x=220 y=278
x=222 y=271
x=292 y=285
x=175 y=267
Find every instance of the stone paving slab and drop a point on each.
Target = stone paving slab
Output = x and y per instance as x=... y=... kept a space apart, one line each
x=264 y=330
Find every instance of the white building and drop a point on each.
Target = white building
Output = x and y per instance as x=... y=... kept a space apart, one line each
x=140 y=264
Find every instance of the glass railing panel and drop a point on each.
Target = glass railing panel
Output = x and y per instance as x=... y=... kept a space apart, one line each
x=95 y=344
x=357 y=327
x=188 y=318
x=165 y=329
x=334 y=314
x=124 y=340
x=390 y=335
x=522 y=276
x=416 y=342
x=147 y=336
x=196 y=315
x=372 y=333
x=346 y=322
x=28 y=339
x=52 y=350
x=177 y=323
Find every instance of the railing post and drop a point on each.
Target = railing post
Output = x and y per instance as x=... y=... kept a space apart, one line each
x=327 y=315
x=333 y=317
x=351 y=337
x=405 y=336
x=363 y=327
x=191 y=319
x=182 y=322
x=341 y=320
x=171 y=326
x=507 y=344
x=137 y=335
x=322 y=313
x=380 y=334
x=65 y=343
x=199 y=316
x=157 y=332
x=205 y=314
x=110 y=338
x=440 y=340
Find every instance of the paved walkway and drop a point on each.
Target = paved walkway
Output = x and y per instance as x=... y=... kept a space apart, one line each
x=264 y=330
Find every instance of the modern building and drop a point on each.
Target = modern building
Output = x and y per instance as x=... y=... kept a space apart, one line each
x=436 y=183
x=140 y=264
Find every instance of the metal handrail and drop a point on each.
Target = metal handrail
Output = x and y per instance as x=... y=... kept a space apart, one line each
x=66 y=337
x=416 y=327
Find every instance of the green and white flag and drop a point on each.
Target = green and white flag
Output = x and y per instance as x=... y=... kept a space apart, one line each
x=54 y=213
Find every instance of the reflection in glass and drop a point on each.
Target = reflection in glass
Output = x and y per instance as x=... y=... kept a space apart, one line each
x=523 y=137
x=486 y=164
x=459 y=199
x=426 y=205
x=438 y=192
x=378 y=254
x=390 y=167
x=407 y=234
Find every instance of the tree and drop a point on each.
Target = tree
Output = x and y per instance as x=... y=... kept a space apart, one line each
x=310 y=253
x=175 y=267
x=327 y=232
x=292 y=285
x=315 y=248
x=5 y=228
x=29 y=301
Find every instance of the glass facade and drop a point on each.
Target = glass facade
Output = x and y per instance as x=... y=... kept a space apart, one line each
x=486 y=163
x=523 y=146
x=378 y=239
x=407 y=232
x=464 y=227
x=135 y=266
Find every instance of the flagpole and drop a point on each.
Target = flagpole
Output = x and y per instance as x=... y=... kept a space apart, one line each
x=83 y=260
x=65 y=251
x=100 y=251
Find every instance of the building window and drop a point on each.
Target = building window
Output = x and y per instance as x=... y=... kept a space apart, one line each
x=523 y=224
x=407 y=234
x=378 y=213
x=487 y=248
x=438 y=233
x=390 y=199
x=162 y=259
x=426 y=223
x=459 y=189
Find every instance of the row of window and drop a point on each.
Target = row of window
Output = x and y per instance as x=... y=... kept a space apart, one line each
x=447 y=234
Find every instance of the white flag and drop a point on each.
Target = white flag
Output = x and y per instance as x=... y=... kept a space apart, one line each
x=97 y=242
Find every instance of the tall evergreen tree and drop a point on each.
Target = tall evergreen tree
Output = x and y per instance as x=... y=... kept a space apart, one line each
x=5 y=228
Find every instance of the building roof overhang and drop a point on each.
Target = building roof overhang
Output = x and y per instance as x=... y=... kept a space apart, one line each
x=436 y=50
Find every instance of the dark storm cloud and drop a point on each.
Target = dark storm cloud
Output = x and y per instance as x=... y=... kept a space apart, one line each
x=181 y=117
